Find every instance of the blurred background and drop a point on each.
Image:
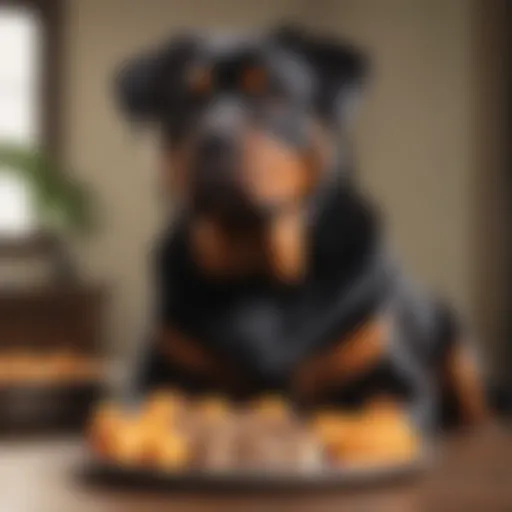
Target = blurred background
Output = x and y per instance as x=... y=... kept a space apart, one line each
x=79 y=206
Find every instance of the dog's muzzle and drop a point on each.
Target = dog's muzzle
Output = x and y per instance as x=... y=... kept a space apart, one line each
x=217 y=185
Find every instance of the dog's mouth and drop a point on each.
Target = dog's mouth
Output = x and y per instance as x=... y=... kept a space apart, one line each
x=250 y=184
x=219 y=191
x=232 y=206
x=228 y=206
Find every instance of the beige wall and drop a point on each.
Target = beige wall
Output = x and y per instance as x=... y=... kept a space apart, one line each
x=415 y=142
x=491 y=214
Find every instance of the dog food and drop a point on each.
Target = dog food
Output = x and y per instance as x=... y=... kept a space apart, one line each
x=169 y=432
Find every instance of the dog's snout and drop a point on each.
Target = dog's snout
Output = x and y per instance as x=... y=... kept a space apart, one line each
x=220 y=128
x=217 y=187
x=215 y=177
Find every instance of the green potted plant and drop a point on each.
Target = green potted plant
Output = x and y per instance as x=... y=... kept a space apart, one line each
x=64 y=206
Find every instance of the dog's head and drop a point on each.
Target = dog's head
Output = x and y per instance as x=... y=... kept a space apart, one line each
x=251 y=127
x=249 y=124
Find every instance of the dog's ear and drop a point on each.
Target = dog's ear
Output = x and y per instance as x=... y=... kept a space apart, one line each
x=340 y=68
x=144 y=84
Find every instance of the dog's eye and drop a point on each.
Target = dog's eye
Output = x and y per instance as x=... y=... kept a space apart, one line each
x=254 y=80
x=200 y=81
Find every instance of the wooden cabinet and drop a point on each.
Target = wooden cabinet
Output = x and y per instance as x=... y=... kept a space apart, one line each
x=51 y=318
x=35 y=322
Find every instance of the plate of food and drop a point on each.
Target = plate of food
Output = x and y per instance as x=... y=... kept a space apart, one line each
x=171 y=440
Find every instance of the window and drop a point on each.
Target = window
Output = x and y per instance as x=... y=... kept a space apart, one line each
x=19 y=75
x=25 y=70
x=19 y=116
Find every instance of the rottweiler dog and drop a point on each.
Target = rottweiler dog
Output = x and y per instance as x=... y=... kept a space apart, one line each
x=274 y=275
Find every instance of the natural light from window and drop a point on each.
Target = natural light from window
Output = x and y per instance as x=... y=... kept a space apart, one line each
x=19 y=111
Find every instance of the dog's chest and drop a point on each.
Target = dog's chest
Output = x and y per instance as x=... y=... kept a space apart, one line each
x=270 y=327
x=257 y=328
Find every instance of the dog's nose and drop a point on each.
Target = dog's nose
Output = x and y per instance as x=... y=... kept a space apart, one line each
x=215 y=145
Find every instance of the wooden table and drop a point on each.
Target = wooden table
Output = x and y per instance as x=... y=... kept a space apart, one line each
x=472 y=473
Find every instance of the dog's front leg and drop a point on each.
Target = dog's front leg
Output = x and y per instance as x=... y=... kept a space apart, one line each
x=174 y=359
x=346 y=360
x=370 y=361
x=462 y=387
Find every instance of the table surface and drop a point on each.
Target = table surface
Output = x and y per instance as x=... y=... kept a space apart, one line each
x=472 y=472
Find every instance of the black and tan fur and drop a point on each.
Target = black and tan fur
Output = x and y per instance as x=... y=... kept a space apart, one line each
x=275 y=276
